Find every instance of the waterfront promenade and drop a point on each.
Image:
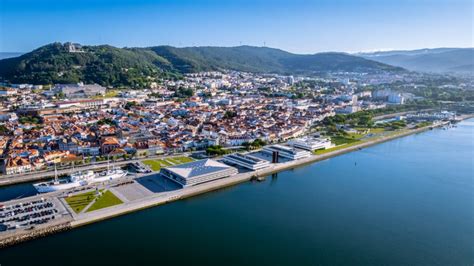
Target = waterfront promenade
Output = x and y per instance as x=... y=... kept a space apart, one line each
x=169 y=196
x=7 y=180
x=163 y=197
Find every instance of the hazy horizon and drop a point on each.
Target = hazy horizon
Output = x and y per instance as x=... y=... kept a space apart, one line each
x=300 y=27
x=230 y=46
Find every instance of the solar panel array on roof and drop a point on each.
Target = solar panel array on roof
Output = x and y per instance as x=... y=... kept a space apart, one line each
x=198 y=168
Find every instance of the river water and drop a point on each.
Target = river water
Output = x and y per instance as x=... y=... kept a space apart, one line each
x=409 y=201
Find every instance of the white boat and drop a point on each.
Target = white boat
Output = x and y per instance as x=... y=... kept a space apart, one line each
x=76 y=179
x=79 y=179
x=109 y=175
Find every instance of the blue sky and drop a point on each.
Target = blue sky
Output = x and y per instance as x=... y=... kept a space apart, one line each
x=297 y=26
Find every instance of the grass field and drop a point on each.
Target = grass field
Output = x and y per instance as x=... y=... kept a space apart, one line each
x=108 y=94
x=319 y=152
x=377 y=130
x=157 y=164
x=107 y=199
x=345 y=144
x=342 y=140
x=80 y=201
x=180 y=160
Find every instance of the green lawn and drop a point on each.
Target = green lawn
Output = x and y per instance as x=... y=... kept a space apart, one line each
x=108 y=94
x=393 y=133
x=80 y=201
x=157 y=164
x=372 y=130
x=355 y=135
x=342 y=140
x=381 y=134
x=180 y=160
x=107 y=199
x=319 y=152
x=377 y=130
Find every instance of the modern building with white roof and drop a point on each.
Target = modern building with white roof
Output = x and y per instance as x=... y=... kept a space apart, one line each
x=287 y=152
x=198 y=172
x=246 y=161
x=310 y=144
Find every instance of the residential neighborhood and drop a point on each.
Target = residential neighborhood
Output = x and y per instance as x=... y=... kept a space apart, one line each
x=44 y=125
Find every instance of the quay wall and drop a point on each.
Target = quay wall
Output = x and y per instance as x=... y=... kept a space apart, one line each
x=191 y=191
x=226 y=182
x=33 y=234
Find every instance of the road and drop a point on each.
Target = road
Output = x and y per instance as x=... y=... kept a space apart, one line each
x=39 y=175
x=380 y=117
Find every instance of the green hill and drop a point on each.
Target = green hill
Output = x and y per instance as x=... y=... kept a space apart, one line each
x=439 y=60
x=263 y=59
x=105 y=65
x=134 y=67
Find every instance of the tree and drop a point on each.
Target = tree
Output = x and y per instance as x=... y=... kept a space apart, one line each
x=4 y=130
x=129 y=105
x=229 y=114
x=106 y=121
x=60 y=95
x=216 y=150
x=184 y=92
x=29 y=120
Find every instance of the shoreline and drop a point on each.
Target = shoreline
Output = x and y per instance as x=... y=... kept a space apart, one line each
x=165 y=197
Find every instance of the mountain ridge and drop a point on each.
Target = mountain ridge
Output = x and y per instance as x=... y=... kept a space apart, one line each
x=437 y=60
x=111 y=66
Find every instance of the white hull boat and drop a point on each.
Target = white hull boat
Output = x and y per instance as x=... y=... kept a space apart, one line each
x=79 y=179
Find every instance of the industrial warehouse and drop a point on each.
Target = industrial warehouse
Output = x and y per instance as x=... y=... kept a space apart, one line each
x=198 y=172
x=247 y=161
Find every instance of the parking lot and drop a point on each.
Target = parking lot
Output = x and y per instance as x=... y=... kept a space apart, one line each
x=28 y=214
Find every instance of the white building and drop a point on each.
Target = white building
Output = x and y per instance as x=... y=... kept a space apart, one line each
x=396 y=98
x=246 y=161
x=238 y=140
x=198 y=172
x=7 y=92
x=79 y=90
x=290 y=80
x=81 y=103
x=349 y=109
x=287 y=152
x=310 y=144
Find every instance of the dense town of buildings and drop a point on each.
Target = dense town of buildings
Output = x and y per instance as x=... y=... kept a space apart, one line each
x=45 y=125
